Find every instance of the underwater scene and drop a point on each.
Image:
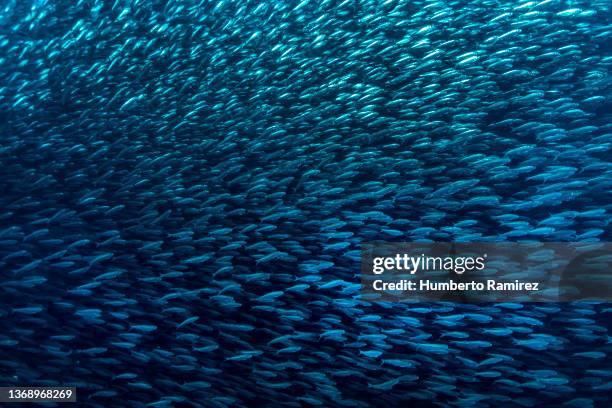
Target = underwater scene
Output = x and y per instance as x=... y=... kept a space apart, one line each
x=186 y=187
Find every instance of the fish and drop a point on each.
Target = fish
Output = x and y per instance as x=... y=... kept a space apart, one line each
x=187 y=188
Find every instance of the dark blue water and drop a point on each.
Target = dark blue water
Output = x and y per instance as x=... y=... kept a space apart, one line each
x=185 y=188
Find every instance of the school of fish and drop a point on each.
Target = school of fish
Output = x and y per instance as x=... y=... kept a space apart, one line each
x=185 y=187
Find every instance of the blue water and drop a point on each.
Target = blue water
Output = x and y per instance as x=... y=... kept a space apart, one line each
x=186 y=186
